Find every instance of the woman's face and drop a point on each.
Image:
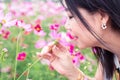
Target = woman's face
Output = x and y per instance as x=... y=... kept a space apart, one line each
x=84 y=38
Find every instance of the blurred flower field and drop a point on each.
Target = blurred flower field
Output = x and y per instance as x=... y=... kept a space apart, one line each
x=25 y=28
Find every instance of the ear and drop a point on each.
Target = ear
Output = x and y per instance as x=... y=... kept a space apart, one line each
x=104 y=17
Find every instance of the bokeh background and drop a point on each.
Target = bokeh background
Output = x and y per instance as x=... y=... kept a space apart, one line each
x=26 y=26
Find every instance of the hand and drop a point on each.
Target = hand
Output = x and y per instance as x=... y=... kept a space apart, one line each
x=60 y=60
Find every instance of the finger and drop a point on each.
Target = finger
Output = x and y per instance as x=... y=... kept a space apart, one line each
x=47 y=48
x=47 y=57
x=57 y=52
x=60 y=53
x=61 y=47
x=52 y=58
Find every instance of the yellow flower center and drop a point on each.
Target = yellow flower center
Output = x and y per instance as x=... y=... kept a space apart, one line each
x=38 y=29
x=3 y=21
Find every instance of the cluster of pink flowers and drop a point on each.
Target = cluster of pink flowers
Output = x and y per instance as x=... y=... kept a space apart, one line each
x=64 y=38
x=6 y=22
x=20 y=17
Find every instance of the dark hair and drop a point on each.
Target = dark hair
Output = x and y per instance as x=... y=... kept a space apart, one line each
x=112 y=8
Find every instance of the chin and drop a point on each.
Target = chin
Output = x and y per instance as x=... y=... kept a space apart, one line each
x=82 y=46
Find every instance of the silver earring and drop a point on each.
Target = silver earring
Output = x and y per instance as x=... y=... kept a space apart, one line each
x=104 y=26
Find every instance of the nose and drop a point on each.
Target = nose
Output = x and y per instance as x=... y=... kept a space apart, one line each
x=67 y=26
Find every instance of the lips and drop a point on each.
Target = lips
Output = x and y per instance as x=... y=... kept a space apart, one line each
x=75 y=37
x=72 y=36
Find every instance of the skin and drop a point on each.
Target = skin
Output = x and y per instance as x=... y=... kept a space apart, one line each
x=59 y=57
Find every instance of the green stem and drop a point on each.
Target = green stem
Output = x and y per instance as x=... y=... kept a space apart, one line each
x=1 y=76
x=28 y=74
x=28 y=68
x=17 y=49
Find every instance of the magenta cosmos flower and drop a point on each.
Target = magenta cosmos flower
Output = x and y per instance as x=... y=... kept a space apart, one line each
x=5 y=34
x=38 y=28
x=21 y=56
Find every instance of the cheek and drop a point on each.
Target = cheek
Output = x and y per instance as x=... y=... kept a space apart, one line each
x=85 y=38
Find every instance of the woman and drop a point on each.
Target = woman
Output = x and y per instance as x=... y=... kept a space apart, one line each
x=96 y=24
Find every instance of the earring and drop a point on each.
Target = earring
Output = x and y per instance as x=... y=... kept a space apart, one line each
x=104 y=26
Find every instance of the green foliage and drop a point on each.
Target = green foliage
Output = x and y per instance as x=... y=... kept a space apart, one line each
x=38 y=71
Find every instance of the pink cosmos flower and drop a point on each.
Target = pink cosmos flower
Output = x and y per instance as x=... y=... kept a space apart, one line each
x=50 y=9
x=54 y=8
x=71 y=49
x=40 y=44
x=76 y=61
x=77 y=58
x=21 y=56
x=61 y=36
x=6 y=20
x=24 y=8
x=2 y=6
x=64 y=39
x=27 y=9
x=80 y=55
x=70 y=35
x=55 y=35
x=54 y=26
x=41 y=33
x=26 y=27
